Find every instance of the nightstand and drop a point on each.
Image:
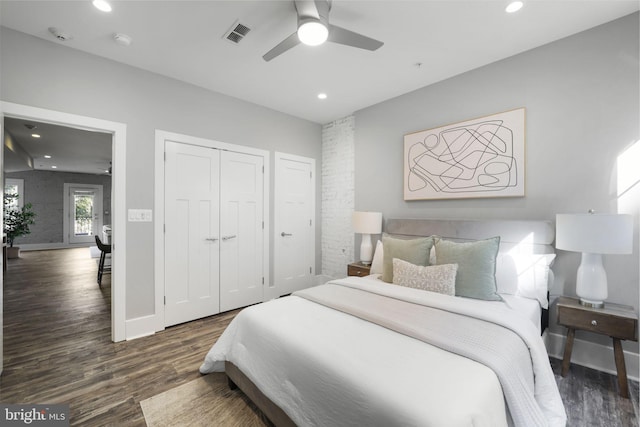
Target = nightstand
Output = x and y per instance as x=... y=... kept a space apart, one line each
x=358 y=269
x=620 y=322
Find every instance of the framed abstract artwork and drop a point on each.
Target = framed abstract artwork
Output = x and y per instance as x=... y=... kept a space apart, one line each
x=481 y=157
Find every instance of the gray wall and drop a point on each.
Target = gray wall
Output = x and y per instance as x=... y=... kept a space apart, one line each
x=581 y=99
x=44 y=74
x=45 y=191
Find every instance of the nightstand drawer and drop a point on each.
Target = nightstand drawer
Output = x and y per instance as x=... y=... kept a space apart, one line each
x=356 y=269
x=601 y=323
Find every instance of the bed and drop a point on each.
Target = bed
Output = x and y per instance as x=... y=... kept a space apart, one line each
x=365 y=351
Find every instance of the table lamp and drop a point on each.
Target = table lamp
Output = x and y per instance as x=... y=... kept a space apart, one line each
x=367 y=223
x=594 y=235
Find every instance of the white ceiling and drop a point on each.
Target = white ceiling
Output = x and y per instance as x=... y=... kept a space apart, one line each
x=71 y=150
x=184 y=40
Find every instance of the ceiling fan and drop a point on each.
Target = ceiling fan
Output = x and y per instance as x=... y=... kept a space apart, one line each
x=314 y=29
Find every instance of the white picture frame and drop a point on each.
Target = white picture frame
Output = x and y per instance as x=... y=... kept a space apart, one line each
x=476 y=158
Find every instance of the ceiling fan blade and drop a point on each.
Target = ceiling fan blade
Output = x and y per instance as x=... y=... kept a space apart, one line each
x=323 y=7
x=282 y=47
x=349 y=38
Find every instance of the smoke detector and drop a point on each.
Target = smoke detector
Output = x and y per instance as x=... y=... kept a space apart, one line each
x=122 y=39
x=59 y=34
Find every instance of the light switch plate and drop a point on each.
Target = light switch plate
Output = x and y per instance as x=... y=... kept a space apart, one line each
x=140 y=215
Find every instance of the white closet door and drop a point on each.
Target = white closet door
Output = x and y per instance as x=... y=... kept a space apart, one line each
x=192 y=235
x=241 y=230
x=294 y=239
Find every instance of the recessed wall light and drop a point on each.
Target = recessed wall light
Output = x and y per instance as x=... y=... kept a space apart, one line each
x=35 y=135
x=514 y=6
x=322 y=96
x=102 y=5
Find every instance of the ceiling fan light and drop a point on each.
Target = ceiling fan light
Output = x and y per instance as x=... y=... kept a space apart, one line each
x=313 y=33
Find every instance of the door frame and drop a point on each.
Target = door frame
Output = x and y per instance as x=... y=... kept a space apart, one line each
x=66 y=207
x=278 y=158
x=161 y=136
x=118 y=201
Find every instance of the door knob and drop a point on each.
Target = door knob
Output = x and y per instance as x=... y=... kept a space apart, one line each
x=283 y=234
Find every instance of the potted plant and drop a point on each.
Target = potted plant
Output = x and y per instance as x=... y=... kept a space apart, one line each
x=16 y=222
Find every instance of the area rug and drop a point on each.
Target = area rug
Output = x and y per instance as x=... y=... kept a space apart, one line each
x=205 y=401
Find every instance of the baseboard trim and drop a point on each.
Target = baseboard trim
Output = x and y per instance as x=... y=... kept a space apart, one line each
x=47 y=246
x=592 y=355
x=140 y=327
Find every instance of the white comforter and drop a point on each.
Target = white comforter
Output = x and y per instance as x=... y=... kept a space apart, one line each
x=327 y=368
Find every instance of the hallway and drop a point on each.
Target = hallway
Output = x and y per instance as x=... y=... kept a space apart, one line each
x=58 y=349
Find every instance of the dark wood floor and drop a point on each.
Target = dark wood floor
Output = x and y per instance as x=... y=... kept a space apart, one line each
x=57 y=349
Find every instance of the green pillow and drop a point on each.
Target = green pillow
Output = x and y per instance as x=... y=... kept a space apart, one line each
x=415 y=251
x=476 y=276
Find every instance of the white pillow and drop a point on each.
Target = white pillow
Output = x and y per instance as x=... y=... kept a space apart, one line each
x=434 y=278
x=378 y=256
x=524 y=275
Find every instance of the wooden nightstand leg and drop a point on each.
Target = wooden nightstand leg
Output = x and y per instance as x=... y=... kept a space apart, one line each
x=621 y=368
x=568 y=347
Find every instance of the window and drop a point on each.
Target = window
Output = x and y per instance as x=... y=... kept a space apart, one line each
x=15 y=186
x=628 y=171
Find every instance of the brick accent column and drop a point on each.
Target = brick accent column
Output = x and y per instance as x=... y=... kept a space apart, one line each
x=338 y=198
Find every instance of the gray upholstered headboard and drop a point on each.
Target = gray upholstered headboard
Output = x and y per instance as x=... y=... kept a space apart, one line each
x=531 y=236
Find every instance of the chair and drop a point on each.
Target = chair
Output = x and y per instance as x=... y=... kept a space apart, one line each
x=104 y=250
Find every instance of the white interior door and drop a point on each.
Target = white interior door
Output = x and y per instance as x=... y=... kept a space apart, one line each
x=84 y=212
x=294 y=231
x=192 y=182
x=241 y=230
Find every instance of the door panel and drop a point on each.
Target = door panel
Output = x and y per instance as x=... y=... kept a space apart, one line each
x=294 y=239
x=84 y=212
x=241 y=229
x=191 y=232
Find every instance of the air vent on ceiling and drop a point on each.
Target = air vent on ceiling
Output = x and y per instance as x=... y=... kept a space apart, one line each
x=237 y=32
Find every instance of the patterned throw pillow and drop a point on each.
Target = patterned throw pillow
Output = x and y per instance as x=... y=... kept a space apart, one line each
x=436 y=278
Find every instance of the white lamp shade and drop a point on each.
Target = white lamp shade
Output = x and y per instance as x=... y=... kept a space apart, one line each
x=595 y=233
x=367 y=222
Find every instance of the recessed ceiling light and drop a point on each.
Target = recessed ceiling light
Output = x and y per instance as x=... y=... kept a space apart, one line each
x=54 y=167
x=514 y=6
x=102 y=5
x=35 y=135
x=46 y=156
x=322 y=96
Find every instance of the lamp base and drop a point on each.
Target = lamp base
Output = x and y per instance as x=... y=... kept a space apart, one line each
x=591 y=282
x=591 y=304
x=366 y=250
